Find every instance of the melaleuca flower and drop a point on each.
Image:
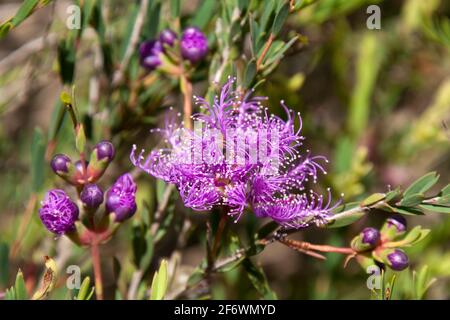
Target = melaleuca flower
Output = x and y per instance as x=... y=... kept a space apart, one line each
x=58 y=212
x=60 y=164
x=394 y=227
x=149 y=53
x=167 y=37
x=91 y=196
x=369 y=238
x=396 y=259
x=193 y=44
x=240 y=157
x=100 y=158
x=121 y=198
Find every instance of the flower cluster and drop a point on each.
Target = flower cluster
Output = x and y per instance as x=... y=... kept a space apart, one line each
x=263 y=170
x=193 y=47
x=59 y=213
x=379 y=243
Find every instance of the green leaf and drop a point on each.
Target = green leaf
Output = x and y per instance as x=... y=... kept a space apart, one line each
x=406 y=210
x=232 y=265
x=391 y=195
x=19 y=287
x=259 y=280
x=146 y=259
x=66 y=59
x=250 y=73
x=422 y=282
x=4 y=264
x=204 y=13
x=446 y=190
x=412 y=200
x=280 y=18
x=267 y=229
x=86 y=291
x=10 y=294
x=422 y=184
x=4 y=29
x=372 y=199
x=24 y=11
x=159 y=283
x=37 y=160
x=80 y=138
x=435 y=208
x=268 y=8
x=175 y=6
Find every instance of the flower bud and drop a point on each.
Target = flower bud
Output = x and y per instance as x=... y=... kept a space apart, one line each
x=101 y=157
x=394 y=227
x=396 y=259
x=91 y=196
x=121 y=198
x=104 y=149
x=149 y=52
x=193 y=44
x=168 y=37
x=58 y=212
x=368 y=239
x=60 y=164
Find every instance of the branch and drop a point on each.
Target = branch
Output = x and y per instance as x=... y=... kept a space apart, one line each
x=139 y=23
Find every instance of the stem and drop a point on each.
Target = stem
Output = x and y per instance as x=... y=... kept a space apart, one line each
x=119 y=75
x=95 y=253
x=264 y=52
x=186 y=88
x=220 y=228
x=347 y=213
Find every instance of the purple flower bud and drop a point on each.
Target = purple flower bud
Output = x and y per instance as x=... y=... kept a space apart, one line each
x=367 y=239
x=149 y=52
x=397 y=221
x=398 y=260
x=104 y=149
x=194 y=44
x=79 y=167
x=58 y=213
x=60 y=163
x=393 y=228
x=91 y=196
x=168 y=37
x=370 y=236
x=121 y=198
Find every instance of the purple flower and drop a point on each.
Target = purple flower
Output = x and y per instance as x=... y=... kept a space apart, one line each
x=193 y=44
x=58 y=213
x=397 y=221
x=60 y=163
x=91 y=196
x=398 y=260
x=168 y=37
x=370 y=236
x=121 y=198
x=104 y=149
x=149 y=52
x=240 y=157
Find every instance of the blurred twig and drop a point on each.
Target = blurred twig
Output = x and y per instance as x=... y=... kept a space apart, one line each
x=19 y=55
x=139 y=23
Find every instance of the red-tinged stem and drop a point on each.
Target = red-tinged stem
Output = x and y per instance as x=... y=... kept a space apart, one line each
x=218 y=236
x=264 y=52
x=306 y=246
x=187 y=101
x=95 y=254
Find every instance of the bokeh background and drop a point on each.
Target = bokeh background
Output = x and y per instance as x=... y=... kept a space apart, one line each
x=375 y=102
